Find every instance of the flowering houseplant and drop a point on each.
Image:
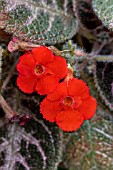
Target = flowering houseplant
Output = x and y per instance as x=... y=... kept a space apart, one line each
x=69 y=105
x=41 y=70
x=48 y=103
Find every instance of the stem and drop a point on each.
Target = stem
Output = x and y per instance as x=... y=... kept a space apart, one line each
x=54 y=50
x=103 y=58
x=7 y=109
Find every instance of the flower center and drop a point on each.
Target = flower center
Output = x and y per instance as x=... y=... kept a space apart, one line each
x=68 y=101
x=39 y=69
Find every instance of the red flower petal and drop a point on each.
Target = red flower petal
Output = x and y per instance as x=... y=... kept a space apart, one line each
x=77 y=87
x=24 y=70
x=58 y=66
x=88 y=108
x=59 y=93
x=27 y=83
x=42 y=55
x=49 y=109
x=77 y=102
x=27 y=59
x=47 y=84
x=69 y=120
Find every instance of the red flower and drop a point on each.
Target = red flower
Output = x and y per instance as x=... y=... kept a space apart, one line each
x=69 y=105
x=39 y=70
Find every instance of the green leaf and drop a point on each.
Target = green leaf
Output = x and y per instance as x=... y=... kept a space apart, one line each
x=91 y=146
x=39 y=21
x=104 y=10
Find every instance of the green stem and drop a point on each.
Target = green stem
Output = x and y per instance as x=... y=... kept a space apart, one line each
x=103 y=58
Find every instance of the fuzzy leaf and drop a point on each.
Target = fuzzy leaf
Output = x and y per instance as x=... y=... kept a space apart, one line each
x=86 y=15
x=40 y=21
x=91 y=146
x=103 y=9
x=103 y=76
x=34 y=146
x=90 y=25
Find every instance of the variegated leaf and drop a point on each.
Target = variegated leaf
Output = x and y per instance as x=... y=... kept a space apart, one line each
x=39 y=21
x=103 y=77
x=37 y=145
x=91 y=146
x=90 y=23
x=103 y=9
